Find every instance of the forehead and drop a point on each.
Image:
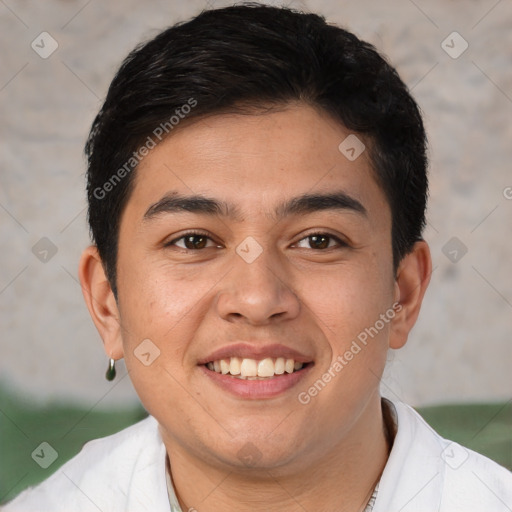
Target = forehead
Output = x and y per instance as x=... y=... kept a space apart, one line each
x=257 y=161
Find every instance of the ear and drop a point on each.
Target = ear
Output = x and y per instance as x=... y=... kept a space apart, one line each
x=411 y=282
x=100 y=301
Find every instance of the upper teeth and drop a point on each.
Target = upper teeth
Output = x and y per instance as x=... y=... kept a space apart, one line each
x=251 y=368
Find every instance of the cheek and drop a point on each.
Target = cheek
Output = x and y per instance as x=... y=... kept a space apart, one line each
x=158 y=305
x=155 y=299
x=160 y=314
x=347 y=300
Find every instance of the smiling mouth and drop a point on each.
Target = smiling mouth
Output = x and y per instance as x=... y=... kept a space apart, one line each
x=253 y=369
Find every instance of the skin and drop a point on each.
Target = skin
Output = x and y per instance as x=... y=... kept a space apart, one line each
x=317 y=300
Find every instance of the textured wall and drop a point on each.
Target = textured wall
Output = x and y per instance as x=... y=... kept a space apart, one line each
x=460 y=349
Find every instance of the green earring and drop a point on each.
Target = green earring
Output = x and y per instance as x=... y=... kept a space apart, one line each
x=111 y=370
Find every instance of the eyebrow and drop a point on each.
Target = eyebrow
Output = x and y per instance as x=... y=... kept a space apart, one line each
x=310 y=203
x=175 y=203
x=307 y=203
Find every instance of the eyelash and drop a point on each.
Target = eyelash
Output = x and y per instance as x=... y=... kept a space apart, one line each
x=185 y=235
x=340 y=243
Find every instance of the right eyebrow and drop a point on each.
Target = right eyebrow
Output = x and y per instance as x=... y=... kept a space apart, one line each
x=174 y=202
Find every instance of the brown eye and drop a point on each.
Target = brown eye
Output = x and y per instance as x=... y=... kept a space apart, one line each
x=192 y=242
x=195 y=241
x=319 y=241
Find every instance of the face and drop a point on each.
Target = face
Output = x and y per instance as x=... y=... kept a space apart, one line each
x=251 y=244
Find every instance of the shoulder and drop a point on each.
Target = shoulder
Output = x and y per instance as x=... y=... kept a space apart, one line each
x=474 y=482
x=107 y=474
x=435 y=472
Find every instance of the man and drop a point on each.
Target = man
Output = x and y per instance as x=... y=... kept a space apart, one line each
x=257 y=189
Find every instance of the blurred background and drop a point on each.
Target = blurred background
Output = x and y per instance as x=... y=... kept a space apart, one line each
x=58 y=58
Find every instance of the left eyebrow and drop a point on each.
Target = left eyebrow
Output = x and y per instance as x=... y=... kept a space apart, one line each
x=310 y=203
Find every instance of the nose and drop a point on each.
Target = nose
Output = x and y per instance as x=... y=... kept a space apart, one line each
x=257 y=293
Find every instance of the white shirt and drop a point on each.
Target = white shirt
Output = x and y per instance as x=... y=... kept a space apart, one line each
x=125 y=472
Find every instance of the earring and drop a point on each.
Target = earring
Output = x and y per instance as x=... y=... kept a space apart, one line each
x=111 y=370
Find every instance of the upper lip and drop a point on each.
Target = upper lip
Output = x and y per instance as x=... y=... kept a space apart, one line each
x=258 y=352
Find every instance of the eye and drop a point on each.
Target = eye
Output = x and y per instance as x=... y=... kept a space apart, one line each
x=320 y=241
x=192 y=241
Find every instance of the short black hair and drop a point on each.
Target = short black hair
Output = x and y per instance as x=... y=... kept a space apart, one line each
x=258 y=57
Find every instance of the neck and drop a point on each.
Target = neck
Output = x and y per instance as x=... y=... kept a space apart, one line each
x=341 y=481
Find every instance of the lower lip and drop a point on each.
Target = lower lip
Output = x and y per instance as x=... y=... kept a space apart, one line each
x=257 y=389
